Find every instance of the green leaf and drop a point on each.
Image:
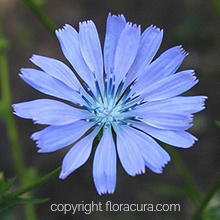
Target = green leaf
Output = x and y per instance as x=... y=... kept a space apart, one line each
x=5 y=186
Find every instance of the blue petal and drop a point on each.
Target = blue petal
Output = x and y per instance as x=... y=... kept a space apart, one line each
x=191 y=104
x=170 y=86
x=91 y=49
x=126 y=50
x=48 y=112
x=78 y=154
x=165 y=65
x=114 y=27
x=69 y=42
x=128 y=151
x=155 y=157
x=149 y=44
x=56 y=137
x=57 y=69
x=180 y=138
x=167 y=120
x=49 y=85
x=104 y=164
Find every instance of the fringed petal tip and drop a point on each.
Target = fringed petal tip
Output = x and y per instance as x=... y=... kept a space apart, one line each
x=136 y=172
x=160 y=169
x=15 y=108
x=183 y=51
x=193 y=141
x=22 y=72
x=19 y=110
x=133 y=27
x=167 y=159
x=105 y=187
x=33 y=57
x=105 y=191
x=115 y=16
x=86 y=24
x=35 y=136
x=140 y=172
x=156 y=29
x=64 y=28
x=203 y=100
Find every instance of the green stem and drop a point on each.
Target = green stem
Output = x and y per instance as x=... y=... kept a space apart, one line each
x=36 y=8
x=36 y=184
x=10 y=198
x=6 y=112
x=187 y=177
x=209 y=195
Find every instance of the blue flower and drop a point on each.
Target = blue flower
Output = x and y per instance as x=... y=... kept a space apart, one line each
x=134 y=101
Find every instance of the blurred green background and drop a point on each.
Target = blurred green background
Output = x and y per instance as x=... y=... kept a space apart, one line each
x=195 y=24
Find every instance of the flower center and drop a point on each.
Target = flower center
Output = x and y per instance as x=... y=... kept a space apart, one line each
x=105 y=114
x=111 y=105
